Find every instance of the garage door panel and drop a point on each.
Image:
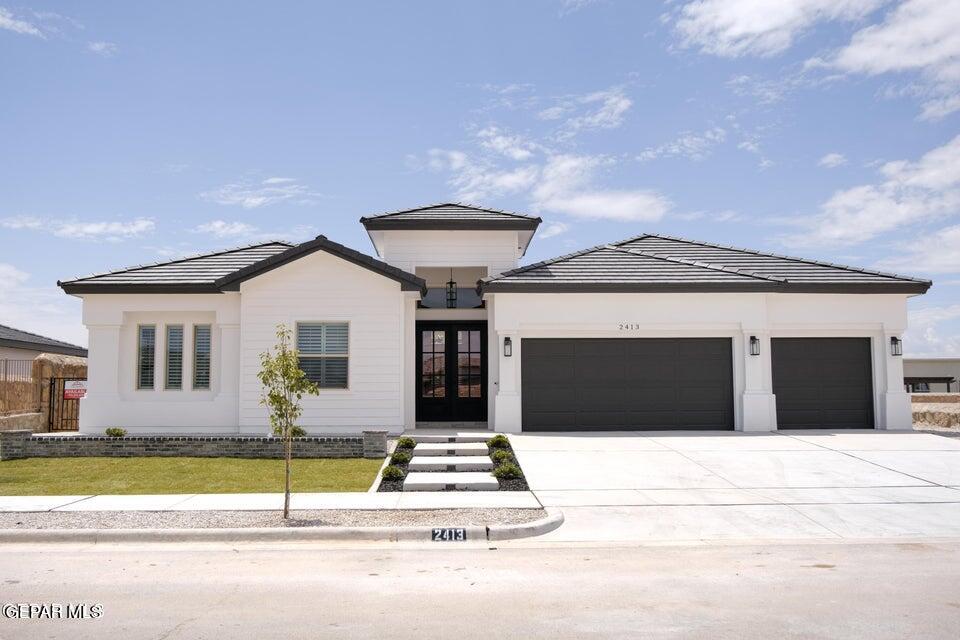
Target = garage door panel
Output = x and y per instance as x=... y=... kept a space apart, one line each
x=823 y=383
x=626 y=384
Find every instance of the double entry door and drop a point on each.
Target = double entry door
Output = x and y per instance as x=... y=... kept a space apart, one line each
x=451 y=371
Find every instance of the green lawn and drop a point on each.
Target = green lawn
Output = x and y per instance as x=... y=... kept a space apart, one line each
x=77 y=476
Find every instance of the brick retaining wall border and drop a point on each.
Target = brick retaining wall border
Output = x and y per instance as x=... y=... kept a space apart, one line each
x=23 y=444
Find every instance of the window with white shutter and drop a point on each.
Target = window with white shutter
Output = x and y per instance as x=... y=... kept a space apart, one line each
x=146 y=356
x=201 y=356
x=324 y=352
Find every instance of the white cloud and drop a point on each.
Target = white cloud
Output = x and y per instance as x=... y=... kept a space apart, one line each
x=933 y=252
x=264 y=193
x=567 y=185
x=695 y=146
x=832 y=160
x=110 y=231
x=927 y=189
x=102 y=48
x=11 y=23
x=44 y=310
x=924 y=337
x=514 y=147
x=476 y=179
x=552 y=229
x=593 y=111
x=224 y=229
x=572 y=6
x=733 y=28
x=918 y=35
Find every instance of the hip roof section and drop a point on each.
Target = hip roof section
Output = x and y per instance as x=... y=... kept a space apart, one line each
x=451 y=215
x=652 y=262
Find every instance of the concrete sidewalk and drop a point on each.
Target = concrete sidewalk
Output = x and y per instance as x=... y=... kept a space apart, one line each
x=272 y=501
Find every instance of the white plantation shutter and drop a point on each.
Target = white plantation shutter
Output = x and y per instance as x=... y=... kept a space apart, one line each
x=201 y=356
x=146 y=344
x=174 y=357
x=323 y=348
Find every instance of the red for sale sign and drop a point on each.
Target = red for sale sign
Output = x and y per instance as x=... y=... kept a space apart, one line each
x=73 y=389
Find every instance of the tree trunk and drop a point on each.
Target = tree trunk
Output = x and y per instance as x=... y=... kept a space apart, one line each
x=288 y=446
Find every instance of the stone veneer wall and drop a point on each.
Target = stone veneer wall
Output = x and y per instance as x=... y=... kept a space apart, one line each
x=22 y=444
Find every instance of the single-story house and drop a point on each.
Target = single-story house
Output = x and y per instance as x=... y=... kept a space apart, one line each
x=931 y=375
x=444 y=328
x=16 y=344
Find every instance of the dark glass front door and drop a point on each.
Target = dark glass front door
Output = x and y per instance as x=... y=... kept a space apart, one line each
x=451 y=371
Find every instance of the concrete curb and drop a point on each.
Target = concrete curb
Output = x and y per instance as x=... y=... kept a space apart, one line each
x=553 y=520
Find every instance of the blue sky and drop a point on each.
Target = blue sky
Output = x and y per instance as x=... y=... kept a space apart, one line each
x=133 y=133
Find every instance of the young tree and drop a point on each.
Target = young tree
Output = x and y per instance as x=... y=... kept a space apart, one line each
x=284 y=384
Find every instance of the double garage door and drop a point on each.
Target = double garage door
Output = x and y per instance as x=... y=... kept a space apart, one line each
x=619 y=384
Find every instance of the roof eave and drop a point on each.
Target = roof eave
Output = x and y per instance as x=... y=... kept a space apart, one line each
x=374 y=224
x=701 y=287
x=80 y=288
x=45 y=348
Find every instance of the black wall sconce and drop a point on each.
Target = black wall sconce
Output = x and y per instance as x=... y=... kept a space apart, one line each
x=451 y=292
x=754 y=346
x=507 y=347
x=896 y=346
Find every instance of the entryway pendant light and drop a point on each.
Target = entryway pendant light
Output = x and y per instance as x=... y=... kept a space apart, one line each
x=451 y=292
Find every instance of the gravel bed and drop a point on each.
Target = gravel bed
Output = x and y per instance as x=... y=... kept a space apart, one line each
x=245 y=519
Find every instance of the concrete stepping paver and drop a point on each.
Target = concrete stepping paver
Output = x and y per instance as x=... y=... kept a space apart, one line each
x=451 y=463
x=438 y=481
x=451 y=449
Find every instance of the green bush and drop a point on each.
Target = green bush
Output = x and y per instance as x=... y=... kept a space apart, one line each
x=400 y=457
x=392 y=473
x=115 y=432
x=297 y=432
x=406 y=443
x=507 y=471
x=501 y=455
x=498 y=441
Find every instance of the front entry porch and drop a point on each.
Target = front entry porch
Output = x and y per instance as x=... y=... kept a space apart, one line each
x=451 y=374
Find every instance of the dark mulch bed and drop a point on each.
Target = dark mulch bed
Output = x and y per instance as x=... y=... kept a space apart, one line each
x=395 y=485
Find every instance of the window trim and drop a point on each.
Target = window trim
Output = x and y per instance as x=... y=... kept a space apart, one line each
x=136 y=358
x=166 y=356
x=319 y=356
x=193 y=372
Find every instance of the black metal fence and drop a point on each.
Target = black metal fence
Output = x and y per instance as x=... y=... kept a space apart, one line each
x=64 y=411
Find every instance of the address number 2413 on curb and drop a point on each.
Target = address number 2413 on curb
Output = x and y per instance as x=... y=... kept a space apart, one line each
x=450 y=534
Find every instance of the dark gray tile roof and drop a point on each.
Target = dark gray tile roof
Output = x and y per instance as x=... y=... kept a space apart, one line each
x=18 y=339
x=450 y=215
x=653 y=262
x=200 y=271
x=224 y=270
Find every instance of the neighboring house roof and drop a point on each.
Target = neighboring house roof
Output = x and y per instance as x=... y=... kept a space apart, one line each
x=651 y=262
x=450 y=215
x=225 y=270
x=17 y=339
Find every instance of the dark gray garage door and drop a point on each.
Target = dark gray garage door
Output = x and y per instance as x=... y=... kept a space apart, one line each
x=626 y=384
x=823 y=383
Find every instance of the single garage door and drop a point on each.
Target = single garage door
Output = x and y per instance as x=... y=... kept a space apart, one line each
x=621 y=384
x=823 y=383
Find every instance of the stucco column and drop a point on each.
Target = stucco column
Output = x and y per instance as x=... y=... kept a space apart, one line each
x=508 y=418
x=897 y=412
x=103 y=378
x=759 y=410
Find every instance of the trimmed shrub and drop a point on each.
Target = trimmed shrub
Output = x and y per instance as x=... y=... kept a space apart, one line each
x=498 y=441
x=115 y=432
x=392 y=473
x=406 y=443
x=400 y=457
x=501 y=455
x=297 y=432
x=507 y=471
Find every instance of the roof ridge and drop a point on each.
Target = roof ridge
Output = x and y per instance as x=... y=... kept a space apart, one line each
x=768 y=254
x=37 y=335
x=698 y=263
x=465 y=205
x=177 y=260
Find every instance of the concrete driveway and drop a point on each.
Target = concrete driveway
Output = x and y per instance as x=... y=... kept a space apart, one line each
x=787 y=485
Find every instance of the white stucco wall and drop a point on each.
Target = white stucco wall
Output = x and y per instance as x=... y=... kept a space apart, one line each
x=113 y=399
x=498 y=251
x=734 y=315
x=322 y=288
